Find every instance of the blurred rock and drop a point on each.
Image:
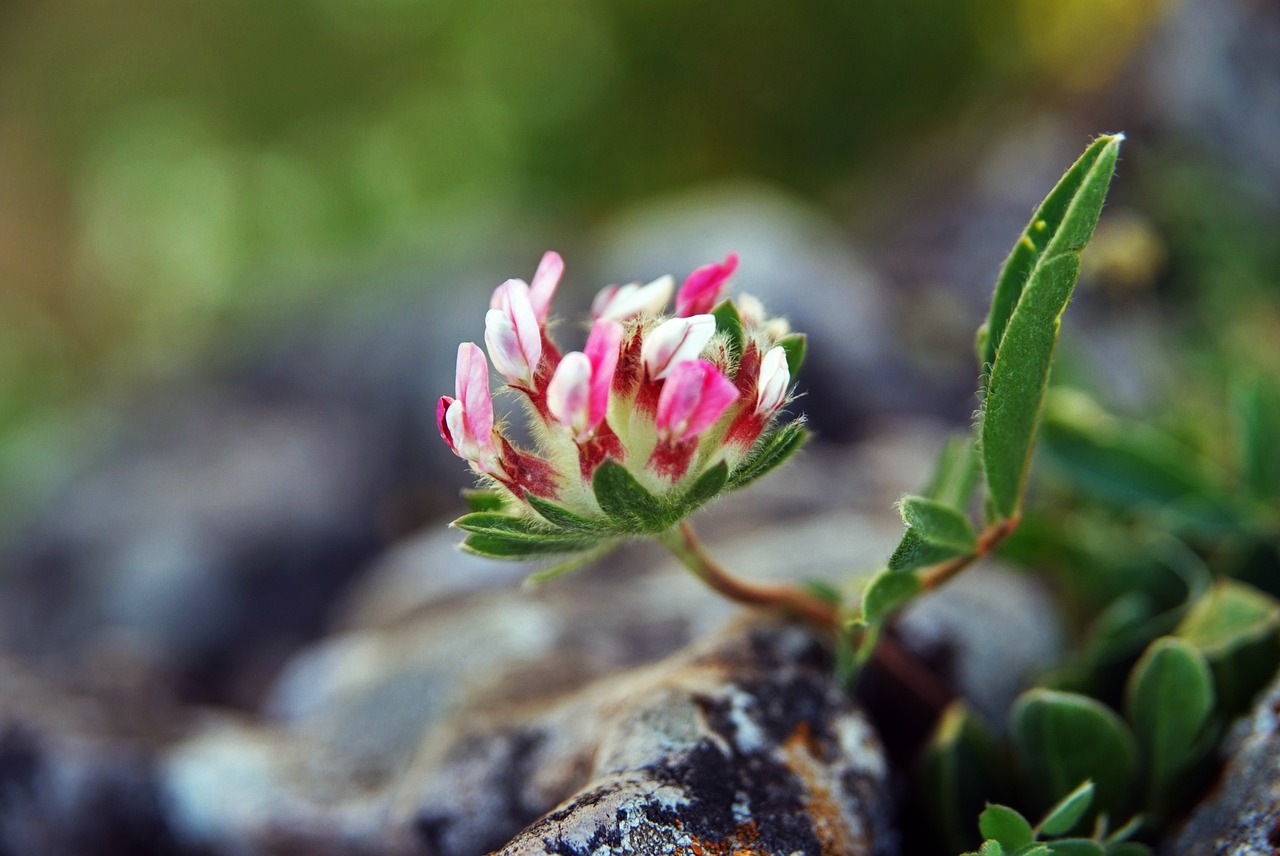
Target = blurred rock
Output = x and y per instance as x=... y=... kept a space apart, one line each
x=76 y=767
x=1242 y=818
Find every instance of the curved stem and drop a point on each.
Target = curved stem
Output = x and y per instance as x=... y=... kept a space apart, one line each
x=684 y=544
x=992 y=537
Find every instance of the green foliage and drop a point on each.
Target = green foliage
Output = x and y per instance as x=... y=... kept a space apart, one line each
x=795 y=345
x=770 y=451
x=935 y=533
x=1236 y=628
x=1064 y=816
x=729 y=322
x=886 y=592
x=1061 y=739
x=1169 y=701
x=955 y=474
x=1022 y=328
x=960 y=767
x=1006 y=826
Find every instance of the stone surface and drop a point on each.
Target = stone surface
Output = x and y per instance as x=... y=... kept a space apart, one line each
x=741 y=743
x=1242 y=818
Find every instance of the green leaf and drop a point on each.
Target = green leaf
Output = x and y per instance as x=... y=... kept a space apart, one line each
x=502 y=536
x=494 y=546
x=887 y=591
x=1034 y=850
x=564 y=518
x=627 y=502
x=1235 y=626
x=1256 y=408
x=991 y=848
x=1062 y=739
x=1075 y=847
x=483 y=500
x=1064 y=816
x=1006 y=826
x=795 y=345
x=729 y=322
x=1064 y=222
x=960 y=765
x=705 y=488
x=955 y=474
x=1169 y=698
x=1026 y=312
x=772 y=449
x=935 y=533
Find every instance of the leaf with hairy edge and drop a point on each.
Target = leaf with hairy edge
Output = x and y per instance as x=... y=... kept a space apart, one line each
x=497 y=546
x=539 y=577
x=705 y=488
x=935 y=533
x=627 y=502
x=769 y=452
x=1026 y=312
x=887 y=591
x=1169 y=699
x=564 y=518
x=1005 y=825
x=1064 y=816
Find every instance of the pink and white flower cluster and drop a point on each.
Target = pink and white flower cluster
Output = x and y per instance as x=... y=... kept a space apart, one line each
x=666 y=397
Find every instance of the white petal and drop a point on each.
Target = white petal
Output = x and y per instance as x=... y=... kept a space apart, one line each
x=775 y=377
x=569 y=393
x=675 y=341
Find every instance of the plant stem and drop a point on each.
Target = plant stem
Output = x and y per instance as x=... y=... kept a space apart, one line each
x=684 y=544
x=992 y=537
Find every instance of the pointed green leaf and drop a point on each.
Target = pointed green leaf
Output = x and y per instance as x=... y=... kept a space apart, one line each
x=887 y=591
x=1005 y=825
x=496 y=546
x=705 y=488
x=1064 y=816
x=1026 y=312
x=1064 y=222
x=1168 y=701
x=1061 y=739
x=795 y=345
x=564 y=518
x=729 y=322
x=991 y=848
x=500 y=524
x=955 y=475
x=935 y=533
x=483 y=500
x=1075 y=847
x=769 y=451
x=1034 y=850
x=627 y=502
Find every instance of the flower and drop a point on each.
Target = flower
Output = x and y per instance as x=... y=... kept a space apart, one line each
x=651 y=419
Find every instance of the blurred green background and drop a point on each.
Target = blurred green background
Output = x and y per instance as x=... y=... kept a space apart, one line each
x=169 y=171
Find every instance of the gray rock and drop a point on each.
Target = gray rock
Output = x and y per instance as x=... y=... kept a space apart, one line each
x=740 y=742
x=1242 y=818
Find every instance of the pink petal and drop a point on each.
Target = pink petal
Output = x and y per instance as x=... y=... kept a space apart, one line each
x=569 y=393
x=775 y=377
x=604 y=345
x=543 y=285
x=473 y=392
x=702 y=288
x=674 y=341
x=693 y=398
x=512 y=333
x=442 y=407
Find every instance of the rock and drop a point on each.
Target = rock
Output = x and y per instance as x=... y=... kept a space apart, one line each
x=1242 y=818
x=743 y=741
